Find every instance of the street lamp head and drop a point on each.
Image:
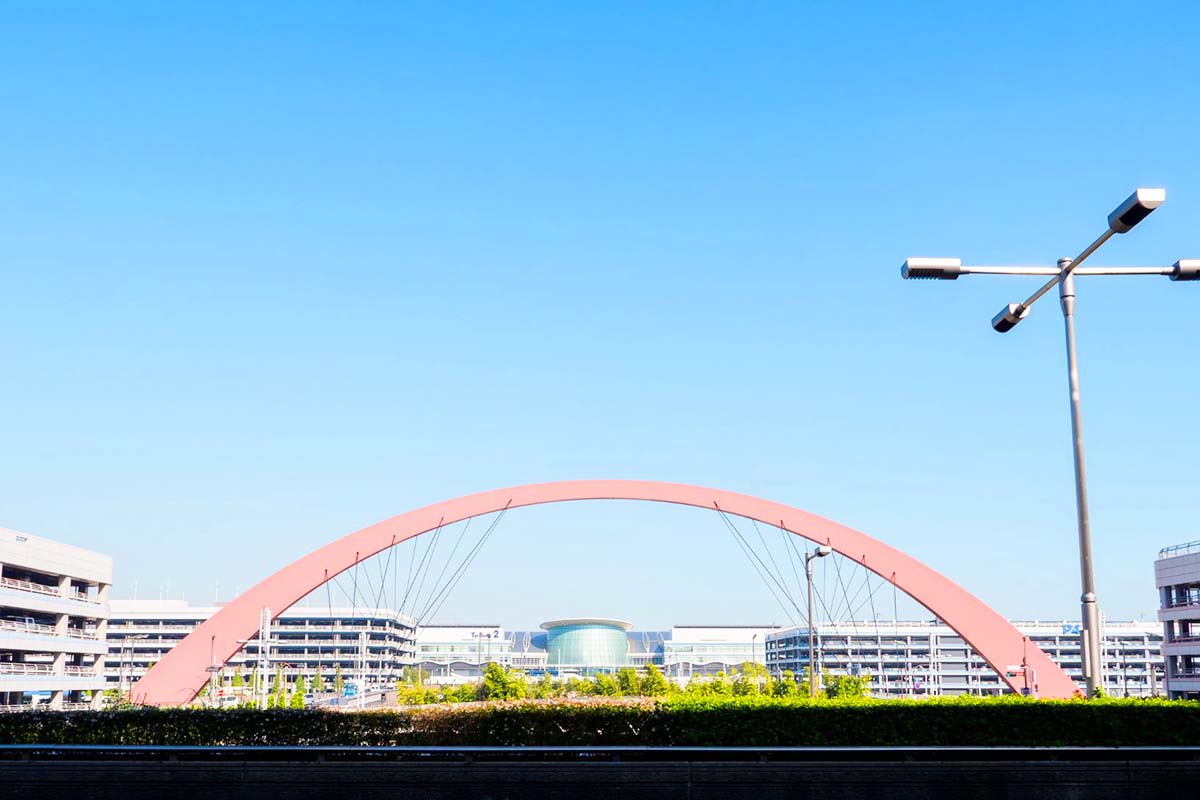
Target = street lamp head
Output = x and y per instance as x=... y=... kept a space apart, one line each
x=823 y=551
x=1009 y=316
x=1186 y=269
x=943 y=269
x=1135 y=209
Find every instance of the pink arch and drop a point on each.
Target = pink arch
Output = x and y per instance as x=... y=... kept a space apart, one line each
x=182 y=672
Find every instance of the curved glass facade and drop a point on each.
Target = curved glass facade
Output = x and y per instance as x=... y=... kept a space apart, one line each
x=586 y=644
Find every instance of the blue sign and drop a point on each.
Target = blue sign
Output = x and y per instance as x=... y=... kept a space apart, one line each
x=1071 y=628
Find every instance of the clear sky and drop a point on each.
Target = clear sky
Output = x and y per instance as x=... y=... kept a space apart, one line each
x=274 y=272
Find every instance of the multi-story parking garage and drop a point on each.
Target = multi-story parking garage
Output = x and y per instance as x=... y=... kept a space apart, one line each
x=1177 y=576
x=374 y=644
x=53 y=613
x=913 y=659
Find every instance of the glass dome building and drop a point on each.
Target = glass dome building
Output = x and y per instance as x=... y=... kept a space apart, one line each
x=586 y=644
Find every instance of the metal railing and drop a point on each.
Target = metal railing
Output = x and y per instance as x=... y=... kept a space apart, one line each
x=1180 y=549
x=72 y=670
x=7 y=668
x=49 y=591
x=48 y=630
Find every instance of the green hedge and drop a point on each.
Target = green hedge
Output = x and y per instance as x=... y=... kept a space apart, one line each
x=750 y=721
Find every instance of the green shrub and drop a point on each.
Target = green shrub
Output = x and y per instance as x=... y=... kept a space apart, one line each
x=690 y=720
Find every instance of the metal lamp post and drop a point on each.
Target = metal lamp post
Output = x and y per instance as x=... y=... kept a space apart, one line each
x=1135 y=208
x=813 y=668
x=754 y=658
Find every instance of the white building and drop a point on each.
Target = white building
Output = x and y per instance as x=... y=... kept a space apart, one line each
x=369 y=644
x=915 y=659
x=1177 y=576
x=53 y=614
x=704 y=650
x=452 y=654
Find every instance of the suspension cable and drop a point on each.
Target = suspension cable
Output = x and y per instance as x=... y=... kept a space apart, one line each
x=383 y=574
x=759 y=567
x=456 y=576
x=434 y=592
x=420 y=566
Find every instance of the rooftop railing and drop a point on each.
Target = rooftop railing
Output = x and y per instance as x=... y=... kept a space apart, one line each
x=1180 y=549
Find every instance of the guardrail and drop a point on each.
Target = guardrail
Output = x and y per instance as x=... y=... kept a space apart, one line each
x=591 y=755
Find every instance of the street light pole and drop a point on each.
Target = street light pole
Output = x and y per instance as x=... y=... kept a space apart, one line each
x=1089 y=615
x=1133 y=210
x=813 y=669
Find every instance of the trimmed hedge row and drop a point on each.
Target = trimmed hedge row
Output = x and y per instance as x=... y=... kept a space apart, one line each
x=752 y=722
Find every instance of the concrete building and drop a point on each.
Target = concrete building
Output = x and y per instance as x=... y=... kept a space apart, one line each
x=1177 y=576
x=916 y=659
x=53 y=615
x=373 y=644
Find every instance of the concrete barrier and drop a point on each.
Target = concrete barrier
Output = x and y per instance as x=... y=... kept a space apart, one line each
x=132 y=773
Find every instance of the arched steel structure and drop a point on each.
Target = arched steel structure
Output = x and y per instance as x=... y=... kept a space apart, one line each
x=179 y=676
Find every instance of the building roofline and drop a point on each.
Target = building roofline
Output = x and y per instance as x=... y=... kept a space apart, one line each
x=605 y=621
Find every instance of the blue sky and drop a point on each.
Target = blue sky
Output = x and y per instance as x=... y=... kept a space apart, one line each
x=272 y=273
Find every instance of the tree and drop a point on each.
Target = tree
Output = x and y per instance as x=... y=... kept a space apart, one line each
x=627 y=681
x=752 y=679
x=413 y=676
x=463 y=693
x=653 y=684
x=805 y=683
x=318 y=683
x=297 y=700
x=337 y=681
x=843 y=686
x=300 y=687
x=500 y=684
x=238 y=680
x=786 y=685
x=604 y=685
x=544 y=688
x=115 y=701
